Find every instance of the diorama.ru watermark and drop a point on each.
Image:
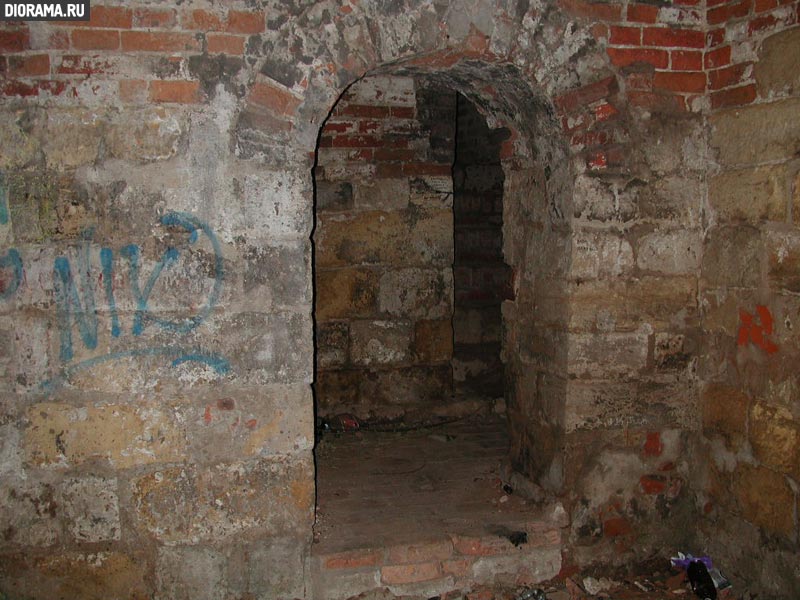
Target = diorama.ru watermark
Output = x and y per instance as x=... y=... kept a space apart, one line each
x=77 y=10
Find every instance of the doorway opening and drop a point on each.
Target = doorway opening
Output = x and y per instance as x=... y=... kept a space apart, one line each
x=417 y=336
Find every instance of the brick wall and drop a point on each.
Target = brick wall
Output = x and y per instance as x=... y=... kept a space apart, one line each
x=384 y=251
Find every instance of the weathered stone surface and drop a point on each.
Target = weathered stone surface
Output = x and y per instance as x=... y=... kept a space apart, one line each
x=433 y=340
x=670 y=252
x=32 y=514
x=346 y=293
x=272 y=568
x=333 y=344
x=756 y=134
x=334 y=195
x=380 y=342
x=783 y=256
x=775 y=436
x=92 y=507
x=732 y=257
x=725 y=410
x=383 y=194
x=187 y=573
x=778 y=68
x=242 y=499
x=765 y=498
x=61 y=435
x=96 y=575
x=417 y=293
x=600 y=255
x=276 y=275
x=750 y=195
x=421 y=237
x=607 y=355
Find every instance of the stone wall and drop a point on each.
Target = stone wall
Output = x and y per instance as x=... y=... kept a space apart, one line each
x=481 y=280
x=384 y=251
x=749 y=285
x=156 y=298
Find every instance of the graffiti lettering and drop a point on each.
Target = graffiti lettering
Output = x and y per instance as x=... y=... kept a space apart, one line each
x=74 y=291
x=754 y=333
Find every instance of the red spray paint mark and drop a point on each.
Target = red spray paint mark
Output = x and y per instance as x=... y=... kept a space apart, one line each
x=754 y=333
x=251 y=424
x=207 y=416
x=652 y=445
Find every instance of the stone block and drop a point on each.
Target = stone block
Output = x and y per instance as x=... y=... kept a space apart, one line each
x=229 y=422
x=783 y=260
x=476 y=325
x=346 y=293
x=775 y=437
x=433 y=340
x=380 y=342
x=144 y=135
x=670 y=252
x=62 y=435
x=333 y=195
x=751 y=195
x=276 y=204
x=765 y=498
x=777 y=71
x=732 y=257
x=337 y=391
x=81 y=134
x=277 y=275
x=604 y=355
x=417 y=293
x=32 y=513
x=239 y=500
x=393 y=392
x=91 y=506
x=756 y=134
x=671 y=198
x=97 y=575
x=333 y=344
x=411 y=237
x=271 y=568
x=600 y=255
x=383 y=194
x=189 y=573
x=16 y=138
x=724 y=409
x=432 y=191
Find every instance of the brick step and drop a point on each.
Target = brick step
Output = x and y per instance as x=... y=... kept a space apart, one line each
x=439 y=564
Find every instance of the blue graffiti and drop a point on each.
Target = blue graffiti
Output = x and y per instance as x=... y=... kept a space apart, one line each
x=76 y=308
x=181 y=355
x=3 y=201
x=11 y=260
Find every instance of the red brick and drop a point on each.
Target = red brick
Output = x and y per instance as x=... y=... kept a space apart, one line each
x=225 y=43
x=593 y=10
x=29 y=66
x=15 y=40
x=765 y=5
x=353 y=559
x=652 y=444
x=132 y=91
x=157 y=41
x=718 y=57
x=457 y=567
x=767 y=22
x=652 y=485
x=623 y=57
x=202 y=20
x=20 y=88
x=417 y=553
x=587 y=94
x=240 y=21
x=400 y=574
x=686 y=60
x=688 y=81
x=402 y=112
x=108 y=17
x=626 y=36
x=274 y=98
x=727 y=77
x=394 y=154
x=95 y=39
x=642 y=13
x=410 y=168
x=480 y=546
x=154 y=18
x=616 y=526
x=184 y=92
x=604 y=111
x=364 y=111
x=728 y=12
x=667 y=37
x=75 y=64
x=739 y=96
x=715 y=37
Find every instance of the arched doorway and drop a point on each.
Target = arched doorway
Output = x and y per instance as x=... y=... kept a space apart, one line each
x=440 y=247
